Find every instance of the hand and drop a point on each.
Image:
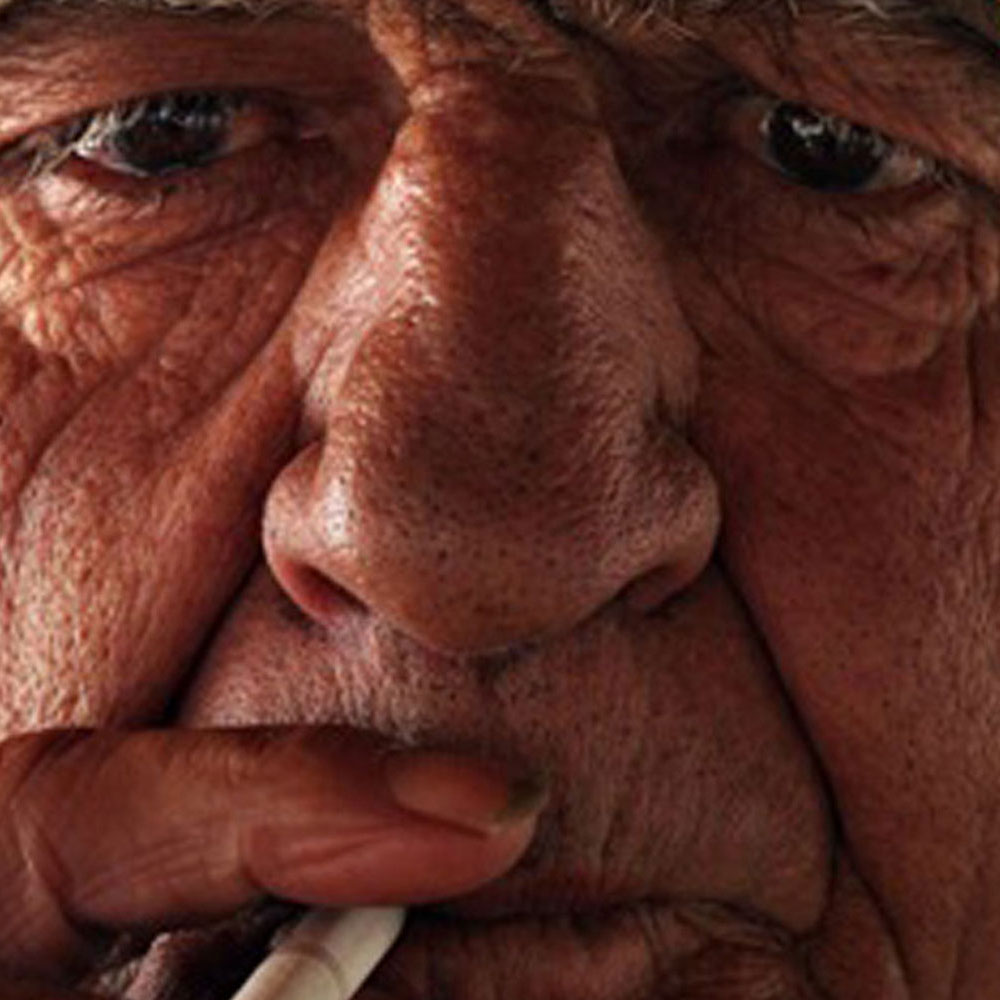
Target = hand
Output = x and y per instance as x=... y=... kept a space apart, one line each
x=103 y=832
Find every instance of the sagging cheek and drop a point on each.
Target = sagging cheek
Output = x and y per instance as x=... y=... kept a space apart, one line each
x=148 y=403
x=121 y=544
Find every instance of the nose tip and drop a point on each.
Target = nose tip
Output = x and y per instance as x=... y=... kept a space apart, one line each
x=487 y=563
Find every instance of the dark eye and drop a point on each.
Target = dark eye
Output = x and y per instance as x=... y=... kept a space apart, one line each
x=826 y=152
x=155 y=136
x=160 y=135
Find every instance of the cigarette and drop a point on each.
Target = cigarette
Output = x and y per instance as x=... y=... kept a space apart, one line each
x=327 y=956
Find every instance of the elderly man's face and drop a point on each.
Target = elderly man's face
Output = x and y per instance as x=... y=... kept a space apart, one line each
x=611 y=394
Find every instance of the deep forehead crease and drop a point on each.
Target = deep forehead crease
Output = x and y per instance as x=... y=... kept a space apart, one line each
x=981 y=15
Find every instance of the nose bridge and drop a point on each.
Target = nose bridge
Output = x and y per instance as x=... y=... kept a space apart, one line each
x=522 y=279
x=505 y=349
x=488 y=471
x=495 y=222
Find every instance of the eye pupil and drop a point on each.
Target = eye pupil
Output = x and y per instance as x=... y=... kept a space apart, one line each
x=822 y=151
x=172 y=132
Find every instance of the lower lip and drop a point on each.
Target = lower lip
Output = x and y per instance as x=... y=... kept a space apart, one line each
x=215 y=963
x=607 y=953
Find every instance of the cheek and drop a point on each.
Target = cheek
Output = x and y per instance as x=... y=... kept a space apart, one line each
x=837 y=411
x=146 y=412
x=859 y=550
x=869 y=575
x=835 y=403
x=845 y=496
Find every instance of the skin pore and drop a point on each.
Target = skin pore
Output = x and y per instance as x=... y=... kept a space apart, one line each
x=490 y=388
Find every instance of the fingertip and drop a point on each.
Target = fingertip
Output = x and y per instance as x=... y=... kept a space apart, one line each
x=411 y=863
x=479 y=796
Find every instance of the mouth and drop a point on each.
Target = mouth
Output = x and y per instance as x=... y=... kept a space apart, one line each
x=685 y=819
x=627 y=949
x=213 y=962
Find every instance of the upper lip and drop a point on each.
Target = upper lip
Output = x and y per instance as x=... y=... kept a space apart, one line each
x=497 y=903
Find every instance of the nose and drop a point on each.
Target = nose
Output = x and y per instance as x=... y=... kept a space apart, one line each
x=496 y=431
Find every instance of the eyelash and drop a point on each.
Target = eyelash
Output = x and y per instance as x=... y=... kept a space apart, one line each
x=242 y=119
x=748 y=123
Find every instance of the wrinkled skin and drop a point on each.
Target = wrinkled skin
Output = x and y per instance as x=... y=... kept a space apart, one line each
x=497 y=419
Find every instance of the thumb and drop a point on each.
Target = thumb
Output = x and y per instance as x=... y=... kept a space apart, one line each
x=103 y=832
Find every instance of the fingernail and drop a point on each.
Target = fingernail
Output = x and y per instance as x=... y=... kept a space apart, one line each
x=479 y=796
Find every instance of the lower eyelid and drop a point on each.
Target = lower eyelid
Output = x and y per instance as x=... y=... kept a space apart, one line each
x=108 y=221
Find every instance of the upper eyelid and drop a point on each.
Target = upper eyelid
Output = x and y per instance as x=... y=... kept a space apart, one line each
x=134 y=104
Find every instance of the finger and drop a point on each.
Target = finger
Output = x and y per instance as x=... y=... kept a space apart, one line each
x=108 y=831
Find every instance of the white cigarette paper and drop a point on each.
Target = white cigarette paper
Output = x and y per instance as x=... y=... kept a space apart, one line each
x=327 y=956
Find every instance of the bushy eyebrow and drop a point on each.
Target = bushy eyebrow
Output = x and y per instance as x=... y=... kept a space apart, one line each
x=982 y=16
x=253 y=7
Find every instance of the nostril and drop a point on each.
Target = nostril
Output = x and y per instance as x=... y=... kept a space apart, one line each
x=649 y=592
x=317 y=595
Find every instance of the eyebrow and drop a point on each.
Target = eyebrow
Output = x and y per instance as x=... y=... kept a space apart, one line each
x=982 y=17
x=254 y=7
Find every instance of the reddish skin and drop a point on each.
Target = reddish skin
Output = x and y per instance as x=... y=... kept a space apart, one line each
x=489 y=376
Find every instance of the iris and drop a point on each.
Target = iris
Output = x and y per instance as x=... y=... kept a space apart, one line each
x=823 y=151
